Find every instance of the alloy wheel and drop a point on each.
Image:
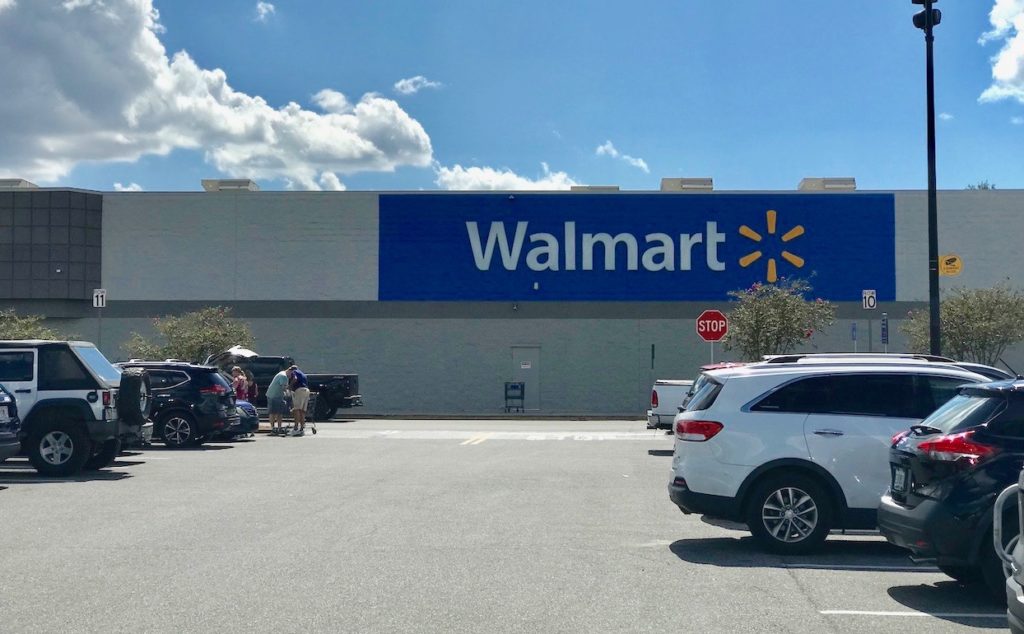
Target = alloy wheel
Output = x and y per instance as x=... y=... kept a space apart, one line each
x=789 y=514
x=56 y=448
x=177 y=430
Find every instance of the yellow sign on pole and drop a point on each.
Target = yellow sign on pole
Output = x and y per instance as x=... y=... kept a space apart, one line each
x=950 y=265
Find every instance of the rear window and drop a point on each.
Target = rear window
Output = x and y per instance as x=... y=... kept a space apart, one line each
x=98 y=364
x=965 y=411
x=213 y=377
x=705 y=395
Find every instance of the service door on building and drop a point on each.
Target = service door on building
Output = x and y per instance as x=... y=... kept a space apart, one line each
x=526 y=369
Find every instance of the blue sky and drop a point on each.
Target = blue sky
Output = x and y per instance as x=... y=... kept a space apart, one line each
x=530 y=94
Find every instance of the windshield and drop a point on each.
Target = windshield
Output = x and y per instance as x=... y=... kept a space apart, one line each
x=98 y=363
x=964 y=411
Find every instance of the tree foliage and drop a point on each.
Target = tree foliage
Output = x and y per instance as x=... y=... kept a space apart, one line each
x=977 y=324
x=982 y=186
x=28 y=327
x=775 y=318
x=191 y=336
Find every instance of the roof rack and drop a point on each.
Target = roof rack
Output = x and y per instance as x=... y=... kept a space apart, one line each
x=793 y=358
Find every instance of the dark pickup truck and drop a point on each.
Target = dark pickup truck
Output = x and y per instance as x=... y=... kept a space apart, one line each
x=333 y=391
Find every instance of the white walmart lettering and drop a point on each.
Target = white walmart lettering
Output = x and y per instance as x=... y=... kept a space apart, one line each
x=546 y=253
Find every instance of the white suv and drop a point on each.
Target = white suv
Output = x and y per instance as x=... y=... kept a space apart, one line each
x=799 y=445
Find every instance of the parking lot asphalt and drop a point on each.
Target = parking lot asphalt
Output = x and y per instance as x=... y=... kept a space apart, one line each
x=429 y=526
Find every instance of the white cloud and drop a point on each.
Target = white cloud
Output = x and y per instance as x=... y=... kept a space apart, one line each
x=264 y=10
x=608 y=149
x=1017 y=120
x=488 y=178
x=123 y=97
x=6 y=4
x=413 y=85
x=130 y=187
x=1007 y=19
x=330 y=181
x=945 y=116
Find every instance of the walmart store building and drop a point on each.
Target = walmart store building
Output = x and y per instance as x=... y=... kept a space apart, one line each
x=437 y=299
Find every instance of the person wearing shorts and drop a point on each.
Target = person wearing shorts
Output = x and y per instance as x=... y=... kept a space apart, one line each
x=300 y=399
x=276 y=406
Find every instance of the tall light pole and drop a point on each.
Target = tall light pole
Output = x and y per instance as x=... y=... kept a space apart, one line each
x=926 y=20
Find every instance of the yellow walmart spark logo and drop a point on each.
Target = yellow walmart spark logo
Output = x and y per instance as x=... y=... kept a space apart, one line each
x=754 y=256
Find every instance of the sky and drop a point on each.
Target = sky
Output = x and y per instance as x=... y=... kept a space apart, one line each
x=155 y=95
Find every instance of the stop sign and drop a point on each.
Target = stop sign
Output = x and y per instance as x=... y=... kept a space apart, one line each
x=712 y=325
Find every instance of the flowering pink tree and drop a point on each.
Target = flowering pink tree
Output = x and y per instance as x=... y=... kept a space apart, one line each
x=775 y=318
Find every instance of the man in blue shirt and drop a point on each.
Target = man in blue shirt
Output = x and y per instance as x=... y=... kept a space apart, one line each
x=276 y=406
x=300 y=399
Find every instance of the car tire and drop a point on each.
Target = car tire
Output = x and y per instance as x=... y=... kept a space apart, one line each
x=133 y=397
x=790 y=514
x=178 y=429
x=106 y=456
x=59 y=448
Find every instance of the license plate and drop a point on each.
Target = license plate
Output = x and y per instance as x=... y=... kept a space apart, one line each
x=899 y=480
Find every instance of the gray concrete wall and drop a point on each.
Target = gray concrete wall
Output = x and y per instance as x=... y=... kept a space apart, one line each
x=240 y=246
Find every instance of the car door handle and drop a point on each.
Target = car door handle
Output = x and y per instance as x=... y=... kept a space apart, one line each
x=827 y=432
x=24 y=391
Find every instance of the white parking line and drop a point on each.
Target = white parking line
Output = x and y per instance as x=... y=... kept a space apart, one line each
x=940 y=615
x=838 y=566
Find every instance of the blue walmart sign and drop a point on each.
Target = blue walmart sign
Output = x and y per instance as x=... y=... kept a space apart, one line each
x=632 y=247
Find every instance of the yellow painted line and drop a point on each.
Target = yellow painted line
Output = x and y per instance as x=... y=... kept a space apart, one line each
x=469 y=440
x=476 y=440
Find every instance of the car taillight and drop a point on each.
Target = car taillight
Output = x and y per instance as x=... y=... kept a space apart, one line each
x=654 y=399
x=106 y=399
x=697 y=430
x=898 y=437
x=218 y=390
x=954 y=447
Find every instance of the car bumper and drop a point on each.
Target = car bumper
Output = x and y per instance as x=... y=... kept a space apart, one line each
x=211 y=425
x=137 y=436
x=715 y=506
x=103 y=430
x=658 y=421
x=1015 y=606
x=244 y=425
x=10 y=446
x=927 y=530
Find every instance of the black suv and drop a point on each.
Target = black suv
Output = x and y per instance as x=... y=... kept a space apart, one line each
x=191 y=403
x=946 y=474
x=74 y=405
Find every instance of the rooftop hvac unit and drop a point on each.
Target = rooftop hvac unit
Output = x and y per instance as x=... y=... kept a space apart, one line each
x=687 y=184
x=594 y=188
x=17 y=183
x=230 y=184
x=827 y=184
